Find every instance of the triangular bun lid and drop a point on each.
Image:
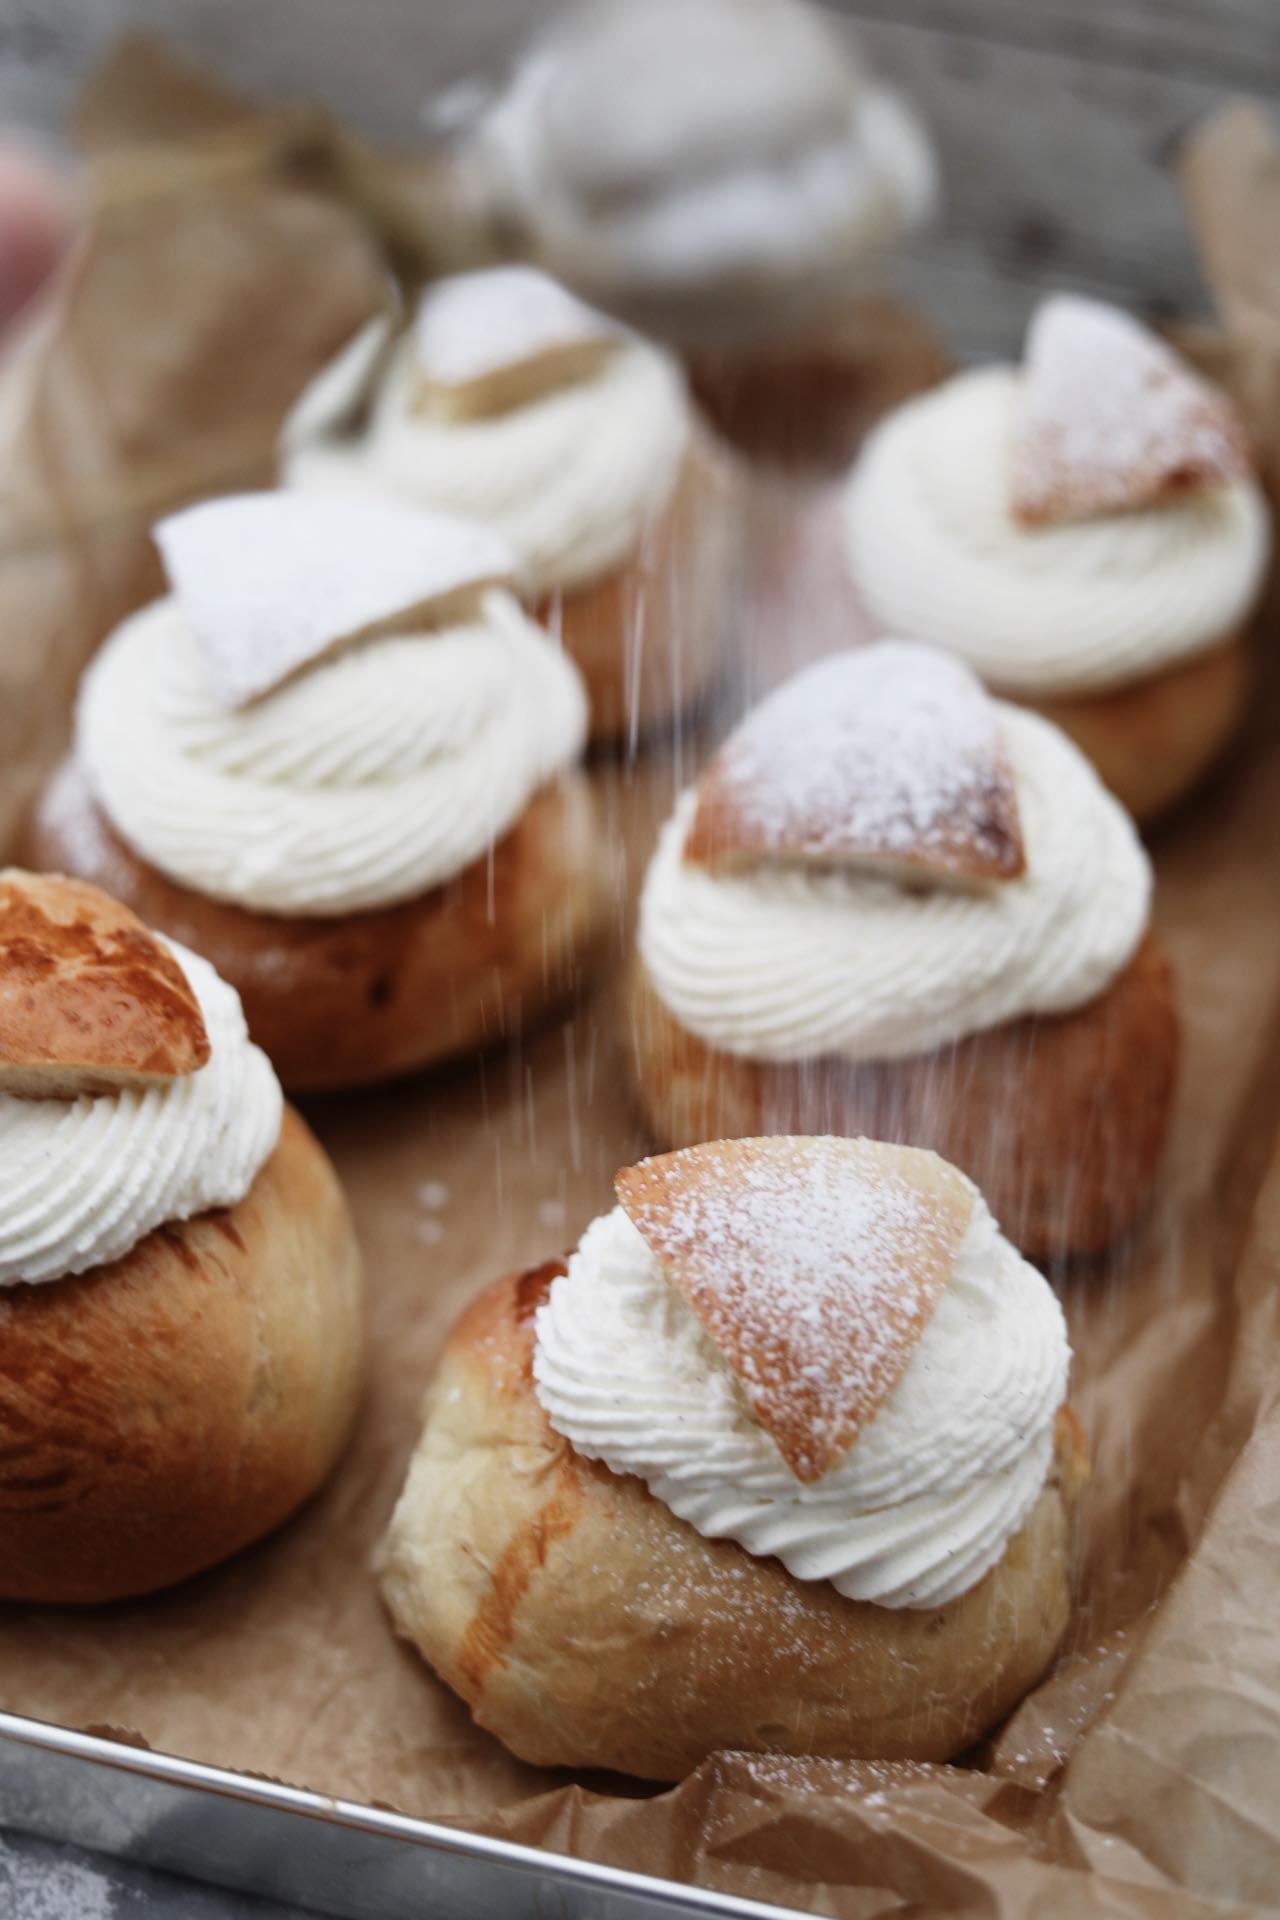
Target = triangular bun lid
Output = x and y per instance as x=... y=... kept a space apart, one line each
x=1112 y=419
x=90 y=1000
x=271 y=583
x=886 y=758
x=814 y=1264
x=488 y=341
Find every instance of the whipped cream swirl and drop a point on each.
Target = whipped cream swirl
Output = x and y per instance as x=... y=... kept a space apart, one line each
x=573 y=480
x=932 y=1490
x=795 y=962
x=83 y=1181
x=1070 y=609
x=373 y=777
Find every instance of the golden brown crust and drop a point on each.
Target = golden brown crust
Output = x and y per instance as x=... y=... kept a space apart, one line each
x=585 y=1625
x=1154 y=741
x=969 y=845
x=645 y=637
x=160 y=1413
x=913 y=779
x=89 y=1000
x=346 y=1001
x=1060 y=1120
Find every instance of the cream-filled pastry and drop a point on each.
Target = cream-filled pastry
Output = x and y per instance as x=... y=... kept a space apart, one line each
x=745 y=205
x=338 y=759
x=180 y=1292
x=1086 y=531
x=896 y=905
x=790 y=1428
x=513 y=403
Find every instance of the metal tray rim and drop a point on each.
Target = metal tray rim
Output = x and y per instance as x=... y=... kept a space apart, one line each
x=224 y=1783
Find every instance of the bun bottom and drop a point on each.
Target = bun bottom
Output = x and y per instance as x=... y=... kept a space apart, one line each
x=162 y=1412
x=646 y=637
x=805 y=403
x=585 y=1625
x=361 y=997
x=1060 y=1119
x=1154 y=741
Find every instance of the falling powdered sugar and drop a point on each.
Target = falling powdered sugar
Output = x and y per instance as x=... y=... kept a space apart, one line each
x=813 y=1263
x=731 y=1602
x=887 y=756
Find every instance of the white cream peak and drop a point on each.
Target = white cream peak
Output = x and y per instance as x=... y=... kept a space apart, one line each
x=1076 y=607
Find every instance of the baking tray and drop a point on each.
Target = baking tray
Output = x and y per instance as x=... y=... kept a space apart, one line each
x=335 y=1856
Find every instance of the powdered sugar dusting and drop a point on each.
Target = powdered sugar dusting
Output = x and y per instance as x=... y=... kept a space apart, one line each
x=887 y=756
x=1113 y=419
x=272 y=582
x=475 y=325
x=873 y=1781
x=730 y=1598
x=814 y=1265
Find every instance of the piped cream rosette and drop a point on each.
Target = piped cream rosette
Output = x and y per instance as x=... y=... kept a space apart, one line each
x=1068 y=527
x=822 y=1349
x=883 y=860
x=340 y=706
x=512 y=403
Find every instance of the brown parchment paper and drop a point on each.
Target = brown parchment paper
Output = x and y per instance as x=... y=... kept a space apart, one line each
x=1142 y=1778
